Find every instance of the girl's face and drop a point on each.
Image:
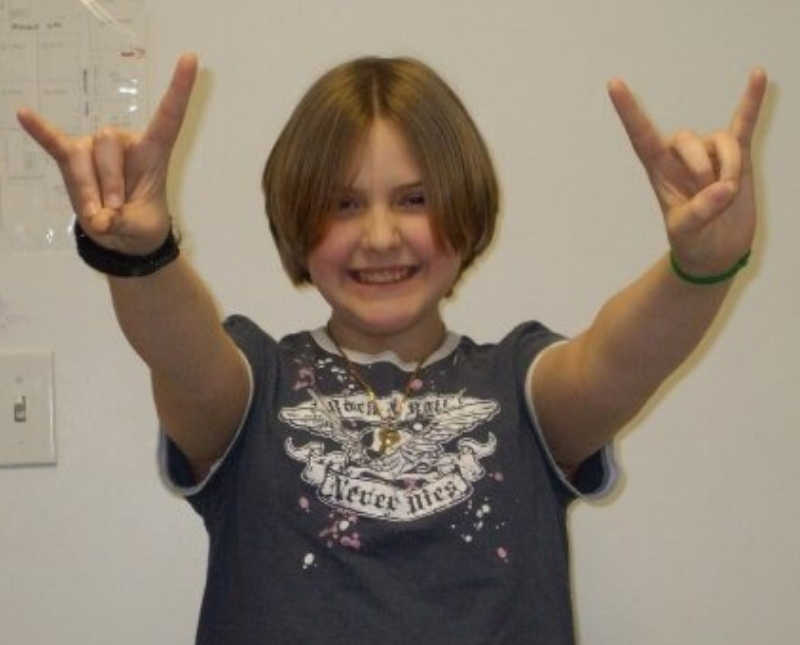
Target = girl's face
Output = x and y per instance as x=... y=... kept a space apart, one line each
x=378 y=264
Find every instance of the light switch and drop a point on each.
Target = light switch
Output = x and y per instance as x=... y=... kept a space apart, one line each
x=27 y=434
x=21 y=409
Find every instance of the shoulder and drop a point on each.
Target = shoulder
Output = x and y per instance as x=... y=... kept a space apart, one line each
x=257 y=344
x=518 y=348
x=532 y=334
x=241 y=328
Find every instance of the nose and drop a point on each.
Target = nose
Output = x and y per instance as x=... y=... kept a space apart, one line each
x=381 y=229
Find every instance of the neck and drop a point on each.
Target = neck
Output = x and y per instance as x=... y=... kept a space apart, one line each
x=411 y=345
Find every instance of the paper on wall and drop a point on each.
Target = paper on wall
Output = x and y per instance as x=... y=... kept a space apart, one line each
x=81 y=67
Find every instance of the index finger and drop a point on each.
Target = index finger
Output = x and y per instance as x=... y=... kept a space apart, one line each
x=166 y=122
x=745 y=117
x=646 y=140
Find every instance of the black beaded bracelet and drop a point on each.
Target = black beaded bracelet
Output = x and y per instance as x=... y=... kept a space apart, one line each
x=123 y=265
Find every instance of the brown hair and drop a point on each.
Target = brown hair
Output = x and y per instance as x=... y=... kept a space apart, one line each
x=313 y=152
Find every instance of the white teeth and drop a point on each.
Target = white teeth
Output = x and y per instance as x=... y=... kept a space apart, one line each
x=383 y=276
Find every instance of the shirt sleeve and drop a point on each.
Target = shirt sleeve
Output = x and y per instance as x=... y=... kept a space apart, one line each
x=176 y=474
x=596 y=476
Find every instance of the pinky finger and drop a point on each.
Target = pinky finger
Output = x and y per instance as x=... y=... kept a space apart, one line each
x=701 y=209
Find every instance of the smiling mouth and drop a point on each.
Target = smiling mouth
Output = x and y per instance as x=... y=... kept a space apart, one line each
x=386 y=275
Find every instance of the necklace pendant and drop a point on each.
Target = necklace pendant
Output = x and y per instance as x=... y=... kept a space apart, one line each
x=387 y=437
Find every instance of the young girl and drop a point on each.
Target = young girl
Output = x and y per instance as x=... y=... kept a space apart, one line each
x=381 y=478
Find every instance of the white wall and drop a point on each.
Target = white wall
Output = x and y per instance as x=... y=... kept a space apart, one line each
x=699 y=544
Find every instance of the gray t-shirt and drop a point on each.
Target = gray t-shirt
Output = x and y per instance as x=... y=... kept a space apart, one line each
x=455 y=534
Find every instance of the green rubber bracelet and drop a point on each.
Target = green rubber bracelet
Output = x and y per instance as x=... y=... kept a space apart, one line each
x=708 y=279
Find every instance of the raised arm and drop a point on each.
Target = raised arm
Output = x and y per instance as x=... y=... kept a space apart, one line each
x=117 y=181
x=585 y=390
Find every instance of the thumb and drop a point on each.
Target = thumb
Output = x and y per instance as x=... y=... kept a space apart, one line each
x=706 y=205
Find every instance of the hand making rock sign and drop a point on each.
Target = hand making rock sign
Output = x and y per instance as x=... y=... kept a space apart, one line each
x=704 y=184
x=116 y=179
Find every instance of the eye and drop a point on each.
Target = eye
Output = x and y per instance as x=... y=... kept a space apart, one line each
x=347 y=204
x=415 y=199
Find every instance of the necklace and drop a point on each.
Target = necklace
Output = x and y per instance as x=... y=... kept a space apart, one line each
x=388 y=435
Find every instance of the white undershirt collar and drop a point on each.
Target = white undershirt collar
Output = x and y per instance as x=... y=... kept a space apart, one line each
x=450 y=342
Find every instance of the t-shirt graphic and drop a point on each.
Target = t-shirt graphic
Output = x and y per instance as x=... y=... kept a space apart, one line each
x=429 y=468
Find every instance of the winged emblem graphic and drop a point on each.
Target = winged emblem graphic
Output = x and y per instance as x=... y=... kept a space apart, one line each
x=419 y=448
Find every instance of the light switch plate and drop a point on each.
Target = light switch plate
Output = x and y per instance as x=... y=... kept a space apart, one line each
x=27 y=433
